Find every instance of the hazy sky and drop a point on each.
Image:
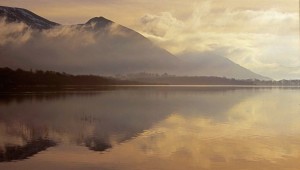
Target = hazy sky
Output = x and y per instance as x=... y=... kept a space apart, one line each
x=262 y=35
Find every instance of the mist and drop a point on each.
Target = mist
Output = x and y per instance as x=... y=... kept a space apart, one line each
x=81 y=49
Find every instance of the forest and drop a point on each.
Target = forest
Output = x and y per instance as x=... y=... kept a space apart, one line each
x=19 y=78
x=10 y=78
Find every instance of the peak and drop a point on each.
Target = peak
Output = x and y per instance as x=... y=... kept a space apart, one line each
x=101 y=21
x=4 y=8
x=13 y=14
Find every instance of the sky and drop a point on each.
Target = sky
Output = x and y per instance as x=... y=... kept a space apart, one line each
x=261 y=35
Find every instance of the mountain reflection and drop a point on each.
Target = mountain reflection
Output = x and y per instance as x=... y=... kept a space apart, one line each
x=14 y=152
x=97 y=120
x=156 y=128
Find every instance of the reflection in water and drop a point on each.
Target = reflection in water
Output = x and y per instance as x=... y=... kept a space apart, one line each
x=154 y=128
x=14 y=152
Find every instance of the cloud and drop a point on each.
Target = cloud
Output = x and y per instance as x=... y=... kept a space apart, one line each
x=13 y=33
x=255 y=39
x=27 y=48
x=160 y=26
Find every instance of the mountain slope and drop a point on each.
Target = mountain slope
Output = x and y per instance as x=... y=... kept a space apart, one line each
x=209 y=64
x=23 y=15
x=98 y=46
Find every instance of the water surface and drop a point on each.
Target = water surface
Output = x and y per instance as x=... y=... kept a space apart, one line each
x=162 y=127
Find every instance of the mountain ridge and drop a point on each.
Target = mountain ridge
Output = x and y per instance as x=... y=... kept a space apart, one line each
x=14 y=14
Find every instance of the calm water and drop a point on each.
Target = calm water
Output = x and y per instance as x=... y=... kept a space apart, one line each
x=141 y=128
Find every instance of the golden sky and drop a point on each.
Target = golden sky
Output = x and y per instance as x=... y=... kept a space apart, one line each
x=261 y=35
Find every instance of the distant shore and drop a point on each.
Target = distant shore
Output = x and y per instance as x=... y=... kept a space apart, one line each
x=22 y=80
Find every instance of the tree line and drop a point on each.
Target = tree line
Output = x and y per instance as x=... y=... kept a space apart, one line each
x=19 y=77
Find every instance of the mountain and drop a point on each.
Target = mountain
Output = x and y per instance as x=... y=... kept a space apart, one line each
x=203 y=64
x=99 y=46
x=29 y=18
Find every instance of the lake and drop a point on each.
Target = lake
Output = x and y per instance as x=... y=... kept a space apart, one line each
x=152 y=128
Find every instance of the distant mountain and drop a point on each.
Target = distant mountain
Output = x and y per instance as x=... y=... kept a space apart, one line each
x=100 y=46
x=27 y=17
x=210 y=64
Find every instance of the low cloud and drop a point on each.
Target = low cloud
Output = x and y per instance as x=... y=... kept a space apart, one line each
x=80 y=49
x=255 y=39
x=15 y=33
